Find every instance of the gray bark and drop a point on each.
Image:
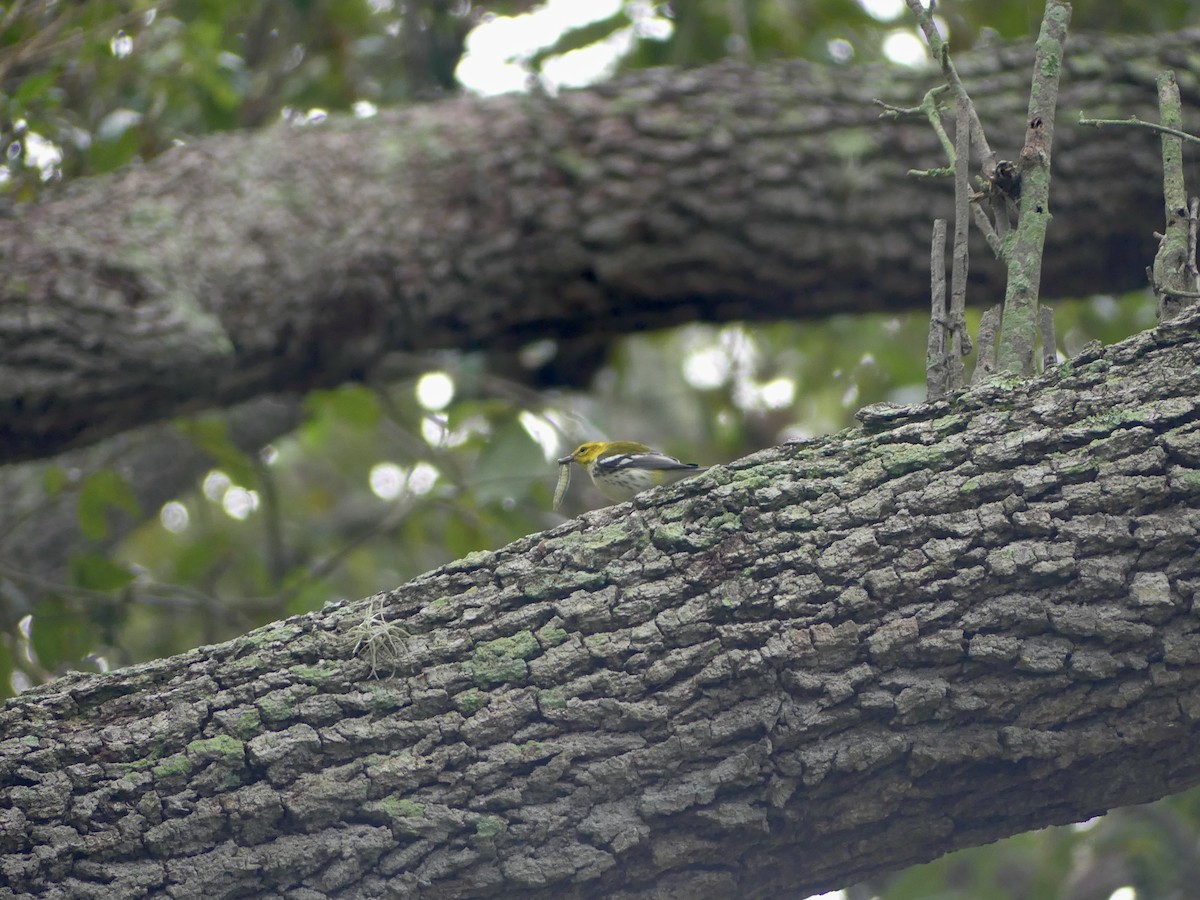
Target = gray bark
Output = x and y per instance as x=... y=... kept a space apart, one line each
x=295 y=258
x=829 y=660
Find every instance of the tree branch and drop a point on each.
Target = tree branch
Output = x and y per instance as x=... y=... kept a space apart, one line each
x=295 y=258
x=1174 y=264
x=958 y=623
x=937 y=373
x=1024 y=256
x=1135 y=122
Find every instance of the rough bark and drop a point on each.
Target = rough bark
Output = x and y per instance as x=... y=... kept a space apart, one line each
x=292 y=258
x=964 y=620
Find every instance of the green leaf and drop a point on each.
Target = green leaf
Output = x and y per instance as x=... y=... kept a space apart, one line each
x=102 y=491
x=353 y=404
x=34 y=86
x=311 y=596
x=54 y=479
x=98 y=573
x=489 y=409
x=211 y=434
x=116 y=149
x=59 y=633
x=511 y=460
x=460 y=536
x=199 y=557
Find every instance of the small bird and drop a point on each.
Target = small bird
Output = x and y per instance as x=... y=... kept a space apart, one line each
x=621 y=469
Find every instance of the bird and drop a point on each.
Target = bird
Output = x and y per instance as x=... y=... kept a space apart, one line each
x=622 y=469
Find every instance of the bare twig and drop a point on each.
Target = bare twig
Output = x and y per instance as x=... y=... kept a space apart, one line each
x=1049 y=349
x=941 y=54
x=984 y=224
x=275 y=551
x=1135 y=122
x=1174 y=269
x=44 y=41
x=959 y=344
x=931 y=109
x=989 y=326
x=144 y=592
x=936 y=382
x=1193 y=274
x=1018 y=333
x=739 y=28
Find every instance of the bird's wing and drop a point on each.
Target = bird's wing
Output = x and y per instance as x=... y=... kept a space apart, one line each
x=651 y=460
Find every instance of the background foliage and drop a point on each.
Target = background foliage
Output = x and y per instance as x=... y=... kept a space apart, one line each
x=383 y=481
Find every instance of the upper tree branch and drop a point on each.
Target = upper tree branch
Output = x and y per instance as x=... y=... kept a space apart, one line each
x=288 y=259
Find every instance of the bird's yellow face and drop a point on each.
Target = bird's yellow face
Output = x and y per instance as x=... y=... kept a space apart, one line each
x=584 y=453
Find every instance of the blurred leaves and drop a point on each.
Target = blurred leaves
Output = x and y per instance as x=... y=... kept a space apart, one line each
x=353 y=404
x=1150 y=849
x=99 y=573
x=510 y=458
x=101 y=492
x=211 y=434
x=109 y=81
x=59 y=634
x=86 y=88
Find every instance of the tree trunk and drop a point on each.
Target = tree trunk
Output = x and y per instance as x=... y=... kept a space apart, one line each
x=962 y=621
x=298 y=257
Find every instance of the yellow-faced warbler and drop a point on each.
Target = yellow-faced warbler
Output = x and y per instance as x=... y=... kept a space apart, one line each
x=620 y=469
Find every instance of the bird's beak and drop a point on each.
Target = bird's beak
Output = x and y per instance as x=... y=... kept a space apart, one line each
x=566 y=460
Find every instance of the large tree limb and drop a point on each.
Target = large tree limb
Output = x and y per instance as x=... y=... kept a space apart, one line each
x=966 y=620
x=292 y=258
